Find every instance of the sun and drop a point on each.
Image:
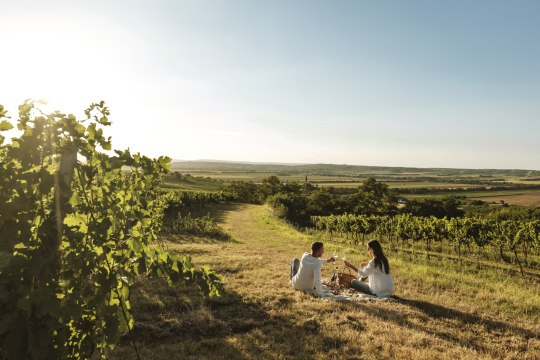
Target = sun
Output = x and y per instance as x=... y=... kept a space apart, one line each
x=66 y=63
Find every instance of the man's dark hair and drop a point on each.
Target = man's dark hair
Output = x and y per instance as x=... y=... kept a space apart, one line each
x=316 y=246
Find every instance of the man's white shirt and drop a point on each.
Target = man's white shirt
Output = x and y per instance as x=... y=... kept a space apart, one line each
x=308 y=277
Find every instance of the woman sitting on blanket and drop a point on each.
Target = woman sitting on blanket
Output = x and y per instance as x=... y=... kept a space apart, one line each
x=377 y=271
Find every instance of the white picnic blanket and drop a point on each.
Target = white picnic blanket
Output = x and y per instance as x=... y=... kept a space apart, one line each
x=348 y=295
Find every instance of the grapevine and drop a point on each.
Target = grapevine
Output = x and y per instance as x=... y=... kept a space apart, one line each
x=78 y=225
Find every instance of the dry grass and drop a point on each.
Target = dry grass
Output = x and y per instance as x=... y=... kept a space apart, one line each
x=438 y=313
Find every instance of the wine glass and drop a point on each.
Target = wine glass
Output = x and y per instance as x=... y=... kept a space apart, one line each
x=335 y=255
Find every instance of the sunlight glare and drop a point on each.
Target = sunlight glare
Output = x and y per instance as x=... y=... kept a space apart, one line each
x=69 y=64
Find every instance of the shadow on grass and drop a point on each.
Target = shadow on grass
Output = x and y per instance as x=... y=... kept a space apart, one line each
x=437 y=311
x=178 y=324
x=217 y=213
x=192 y=239
x=455 y=324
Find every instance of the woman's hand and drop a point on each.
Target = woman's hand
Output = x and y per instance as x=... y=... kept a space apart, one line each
x=363 y=265
x=349 y=265
x=331 y=259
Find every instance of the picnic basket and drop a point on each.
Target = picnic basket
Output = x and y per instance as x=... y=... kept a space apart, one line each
x=345 y=279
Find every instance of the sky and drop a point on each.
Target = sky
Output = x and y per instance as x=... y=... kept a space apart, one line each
x=418 y=83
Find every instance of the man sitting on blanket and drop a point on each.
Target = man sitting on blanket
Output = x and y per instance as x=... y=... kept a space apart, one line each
x=306 y=273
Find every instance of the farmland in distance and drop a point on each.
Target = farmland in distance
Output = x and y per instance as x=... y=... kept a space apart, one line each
x=513 y=187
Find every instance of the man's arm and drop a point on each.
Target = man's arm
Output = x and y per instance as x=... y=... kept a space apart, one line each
x=329 y=260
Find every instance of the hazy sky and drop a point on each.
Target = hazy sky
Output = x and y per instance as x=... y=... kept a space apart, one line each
x=399 y=83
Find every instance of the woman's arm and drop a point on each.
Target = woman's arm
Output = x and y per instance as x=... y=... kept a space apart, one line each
x=366 y=271
x=351 y=266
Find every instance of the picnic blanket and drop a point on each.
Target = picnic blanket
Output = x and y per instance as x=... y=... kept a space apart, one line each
x=348 y=295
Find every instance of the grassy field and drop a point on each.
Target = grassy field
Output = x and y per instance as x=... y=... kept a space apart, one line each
x=439 y=311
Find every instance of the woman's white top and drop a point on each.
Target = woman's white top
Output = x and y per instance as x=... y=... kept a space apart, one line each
x=380 y=283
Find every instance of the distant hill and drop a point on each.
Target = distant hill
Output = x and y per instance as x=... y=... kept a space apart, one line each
x=334 y=169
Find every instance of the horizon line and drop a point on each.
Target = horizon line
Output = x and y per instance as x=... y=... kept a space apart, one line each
x=343 y=164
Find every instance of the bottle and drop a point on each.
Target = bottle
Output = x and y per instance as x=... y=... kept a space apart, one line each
x=334 y=277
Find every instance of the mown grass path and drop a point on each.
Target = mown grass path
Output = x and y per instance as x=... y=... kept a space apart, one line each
x=439 y=312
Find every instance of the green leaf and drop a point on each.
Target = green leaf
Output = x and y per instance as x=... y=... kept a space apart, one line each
x=106 y=145
x=3 y=111
x=79 y=128
x=5 y=125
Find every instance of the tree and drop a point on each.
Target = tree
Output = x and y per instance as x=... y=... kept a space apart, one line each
x=291 y=207
x=321 y=202
x=247 y=192
x=446 y=208
x=271 y=185
x=373 y=198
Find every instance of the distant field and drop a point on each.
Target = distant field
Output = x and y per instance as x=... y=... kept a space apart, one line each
x=525 y=181
x=512 y=197
x=339 y=184
x=399 y=185
x=216 y=175
x=530 y=198
x=230 y=177
x=259 y=176
x=326 y=180
x=422 y=184
x=352 y=170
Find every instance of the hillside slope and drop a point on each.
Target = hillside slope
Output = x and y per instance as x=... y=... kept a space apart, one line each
x=439 y=311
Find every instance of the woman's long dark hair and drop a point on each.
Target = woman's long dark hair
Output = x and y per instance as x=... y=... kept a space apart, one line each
x=379 y=257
